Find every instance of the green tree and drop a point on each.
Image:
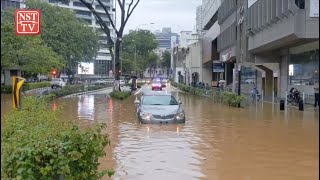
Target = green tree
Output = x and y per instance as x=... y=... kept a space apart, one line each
x=66 y=34
x=141 y=43
x=166 y=60
x=30 y=53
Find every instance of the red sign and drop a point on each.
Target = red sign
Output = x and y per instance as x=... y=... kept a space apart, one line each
x=27 y=22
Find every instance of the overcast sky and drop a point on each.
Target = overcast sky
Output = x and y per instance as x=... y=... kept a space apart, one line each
x=180 y=15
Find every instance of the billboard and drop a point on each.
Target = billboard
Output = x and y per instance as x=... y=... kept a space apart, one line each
x=86 y=68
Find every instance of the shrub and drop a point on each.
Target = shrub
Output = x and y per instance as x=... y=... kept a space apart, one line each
x=232 y=99
x=25 y=87
x=69 y=89
x=120 y=95
x=6 y=89
x=35 y=85
x=36 y=144
x=95 y=87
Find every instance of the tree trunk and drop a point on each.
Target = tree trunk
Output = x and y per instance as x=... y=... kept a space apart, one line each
x=117 y=60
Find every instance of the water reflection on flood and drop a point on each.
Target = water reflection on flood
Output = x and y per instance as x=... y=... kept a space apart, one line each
x=86 y=107
x=217 y=142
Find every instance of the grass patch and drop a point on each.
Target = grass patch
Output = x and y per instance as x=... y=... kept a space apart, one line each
x=120 y=95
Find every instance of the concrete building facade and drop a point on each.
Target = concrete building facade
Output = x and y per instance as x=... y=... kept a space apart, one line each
x=199 y=20
x=283 y=44
x=194 y=63
x=209 y=40
x=180 y=53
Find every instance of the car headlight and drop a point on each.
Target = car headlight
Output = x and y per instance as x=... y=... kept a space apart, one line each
x=145 y=115
x=180 y=115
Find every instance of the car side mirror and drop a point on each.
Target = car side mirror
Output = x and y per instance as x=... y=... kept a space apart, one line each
x=180 y=102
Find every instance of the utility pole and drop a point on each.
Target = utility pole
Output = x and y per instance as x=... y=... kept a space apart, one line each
x=241 y=9
x=135 y=58
x=121 y=58
x=115 y=41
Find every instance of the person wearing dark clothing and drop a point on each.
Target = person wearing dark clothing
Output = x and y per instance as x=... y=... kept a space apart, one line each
x=316 y=95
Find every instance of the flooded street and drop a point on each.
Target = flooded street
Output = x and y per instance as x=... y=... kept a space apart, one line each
x=217 y=142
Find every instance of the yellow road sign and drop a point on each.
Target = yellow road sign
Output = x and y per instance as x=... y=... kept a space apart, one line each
x=17 y=83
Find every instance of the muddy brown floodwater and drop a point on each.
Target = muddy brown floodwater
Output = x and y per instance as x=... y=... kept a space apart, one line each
x=217 y=142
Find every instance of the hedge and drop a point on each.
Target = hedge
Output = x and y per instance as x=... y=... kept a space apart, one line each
x=25 y=87
x=232 y=99
x=120 y=95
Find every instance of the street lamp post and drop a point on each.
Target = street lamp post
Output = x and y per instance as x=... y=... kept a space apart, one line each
x=135 y=58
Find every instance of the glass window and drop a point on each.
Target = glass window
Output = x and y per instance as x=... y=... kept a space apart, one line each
x=103 y=46
x=103 y=38
x=79 y=4
x=304 y=68
x=248 y=75
x=100 y=67
x=88 y=21
x=300 y=4
x=103 y=15
x=102 y=54
x=83 y=13
x=159 y=100
x=98 y=7
x=105 y=1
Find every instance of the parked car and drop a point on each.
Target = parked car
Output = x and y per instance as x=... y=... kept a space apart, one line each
x=57 y=82
x=122 y=83
x=159 y=108
x=100 y=82
x=164 y=83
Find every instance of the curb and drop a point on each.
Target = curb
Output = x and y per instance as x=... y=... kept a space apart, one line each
x=38 y=89
x=81 y=93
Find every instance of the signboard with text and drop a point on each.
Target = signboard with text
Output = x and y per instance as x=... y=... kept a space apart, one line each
x=314 y=8
x=218 y=67
x=27 y=22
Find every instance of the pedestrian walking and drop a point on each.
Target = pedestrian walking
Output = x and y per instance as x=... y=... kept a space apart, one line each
x=316 y=95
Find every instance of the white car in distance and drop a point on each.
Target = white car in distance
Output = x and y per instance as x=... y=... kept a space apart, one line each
x=57 y=82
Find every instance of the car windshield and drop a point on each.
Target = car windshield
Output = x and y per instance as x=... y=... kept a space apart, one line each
x=159 y=100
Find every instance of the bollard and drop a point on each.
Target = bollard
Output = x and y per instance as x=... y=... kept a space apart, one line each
x=286 y=103
x=272 y=97
x=262 y=96
x=303 y=97
x=282 y=105
x=301 y=105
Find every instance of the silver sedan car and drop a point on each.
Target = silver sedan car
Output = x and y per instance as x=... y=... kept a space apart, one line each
x=159 y=108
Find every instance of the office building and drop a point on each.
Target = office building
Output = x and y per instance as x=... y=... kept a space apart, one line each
x=283 y=44
x=199 y=20
x=164 y=38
